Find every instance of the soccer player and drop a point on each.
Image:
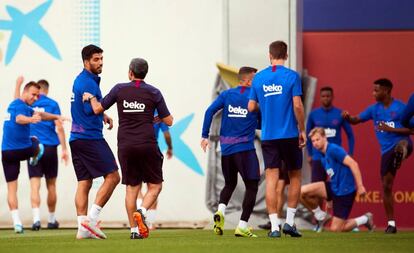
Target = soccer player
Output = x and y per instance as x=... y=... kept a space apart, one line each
x=238 y=154
x=91 y=154
x=395 y=147
x=278 y=91
x=138 y=152
x=343 y=184
x=17 y=145
x=330 y=118
x=152 y=211
x=48 y=165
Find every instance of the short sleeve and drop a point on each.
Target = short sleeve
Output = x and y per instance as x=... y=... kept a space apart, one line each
x=161 y=106
x=297 y=86
x=23 y=109
x=338 y=153
x=253 y=94
x=367 y=114
x=56 y=109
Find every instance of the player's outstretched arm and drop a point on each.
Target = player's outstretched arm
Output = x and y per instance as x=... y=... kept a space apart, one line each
x=351 y=119
x=354 y=167
x=24 y=120
x=95 y=104
x=19 y=82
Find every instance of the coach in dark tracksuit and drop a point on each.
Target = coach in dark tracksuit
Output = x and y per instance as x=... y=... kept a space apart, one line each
x=138 y=152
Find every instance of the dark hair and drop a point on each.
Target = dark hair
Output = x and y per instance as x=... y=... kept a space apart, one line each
x=326 y=88
x=43 y=83
x=245 y=70
x=384 y=82
x=89 y=50
x=31 y=84
x=278 y=49
x=139 y=67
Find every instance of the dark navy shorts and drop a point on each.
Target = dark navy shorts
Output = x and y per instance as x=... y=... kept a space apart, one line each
x=92 y=158
x=141 y=163
x=47 y=165
x=286 y=150
x=387 y=160
x=318 y=171
x=341 y=205
x=11 y=160
x=244 y=162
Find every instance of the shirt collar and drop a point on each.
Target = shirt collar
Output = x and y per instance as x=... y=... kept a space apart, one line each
x=96 y=78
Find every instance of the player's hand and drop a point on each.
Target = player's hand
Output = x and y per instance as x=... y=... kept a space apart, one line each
x=361 y=191
x=19 y=81
x=302 y=139
x=36 y=118
x=86 y=96
x=169 y=153
x=384 y=127
x=108 y=120
x=65 y=157
x=204 y=144
x=346 y=115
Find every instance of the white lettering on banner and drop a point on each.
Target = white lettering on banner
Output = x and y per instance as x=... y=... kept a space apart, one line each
x=39 y=109
x=72 y=98
x=7 y=116
x=272 y=89
x=237 y=112
x=330 y=132
x=133 y=106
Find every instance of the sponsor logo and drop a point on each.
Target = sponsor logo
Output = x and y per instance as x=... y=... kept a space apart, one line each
x=72 y=98
x=330 y=132
x=237 y=112
x=330 y=172
x=39 y=109
x=133 y=106
x=272 y=89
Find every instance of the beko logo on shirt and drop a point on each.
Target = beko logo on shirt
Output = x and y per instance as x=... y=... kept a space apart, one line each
x=330 y=132
x=330 y=172
x=39 y=109
x=133 y=106
x=237 y=112
x=272 y=89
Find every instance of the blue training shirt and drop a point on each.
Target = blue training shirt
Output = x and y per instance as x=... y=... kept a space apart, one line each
x=331 y=120
x=392 y=117
x=85 y=124
x=238 y=125
x=45 y=130
x=407 y=118
x=274 y=88
x=341 y=177
x=16 y=136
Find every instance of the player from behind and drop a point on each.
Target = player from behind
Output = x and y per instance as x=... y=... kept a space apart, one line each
x=238 y=154
x=277 y=90
x=47 y=166
x=395 y=147
x=343 y=184
x=17 y=145
x=91 y=155
x=138 y=152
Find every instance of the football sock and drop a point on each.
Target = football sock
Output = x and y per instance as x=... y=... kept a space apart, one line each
x=319 y=214
x=81 y=218
x=15 y=217
x=391 y=223
x=290 y=216
x=36 y=214
x=222 y=208
x=51 y=218
x=361 y=220
x=139 y=203
x=94 y=212
x=143 y=210
x=134 y=230
x=274 y=221
x=242 y=224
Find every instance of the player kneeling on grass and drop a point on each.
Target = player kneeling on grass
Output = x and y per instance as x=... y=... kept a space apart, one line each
x=345 y=181
x=237 y=148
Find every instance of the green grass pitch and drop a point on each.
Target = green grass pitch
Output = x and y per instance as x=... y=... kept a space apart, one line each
x=187 y=240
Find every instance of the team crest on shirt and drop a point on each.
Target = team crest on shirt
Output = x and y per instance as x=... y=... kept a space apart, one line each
x=272 y=89
x=133 y=106
x=237 y=112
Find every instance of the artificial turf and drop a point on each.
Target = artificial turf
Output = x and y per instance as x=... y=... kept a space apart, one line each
x=191 y=240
